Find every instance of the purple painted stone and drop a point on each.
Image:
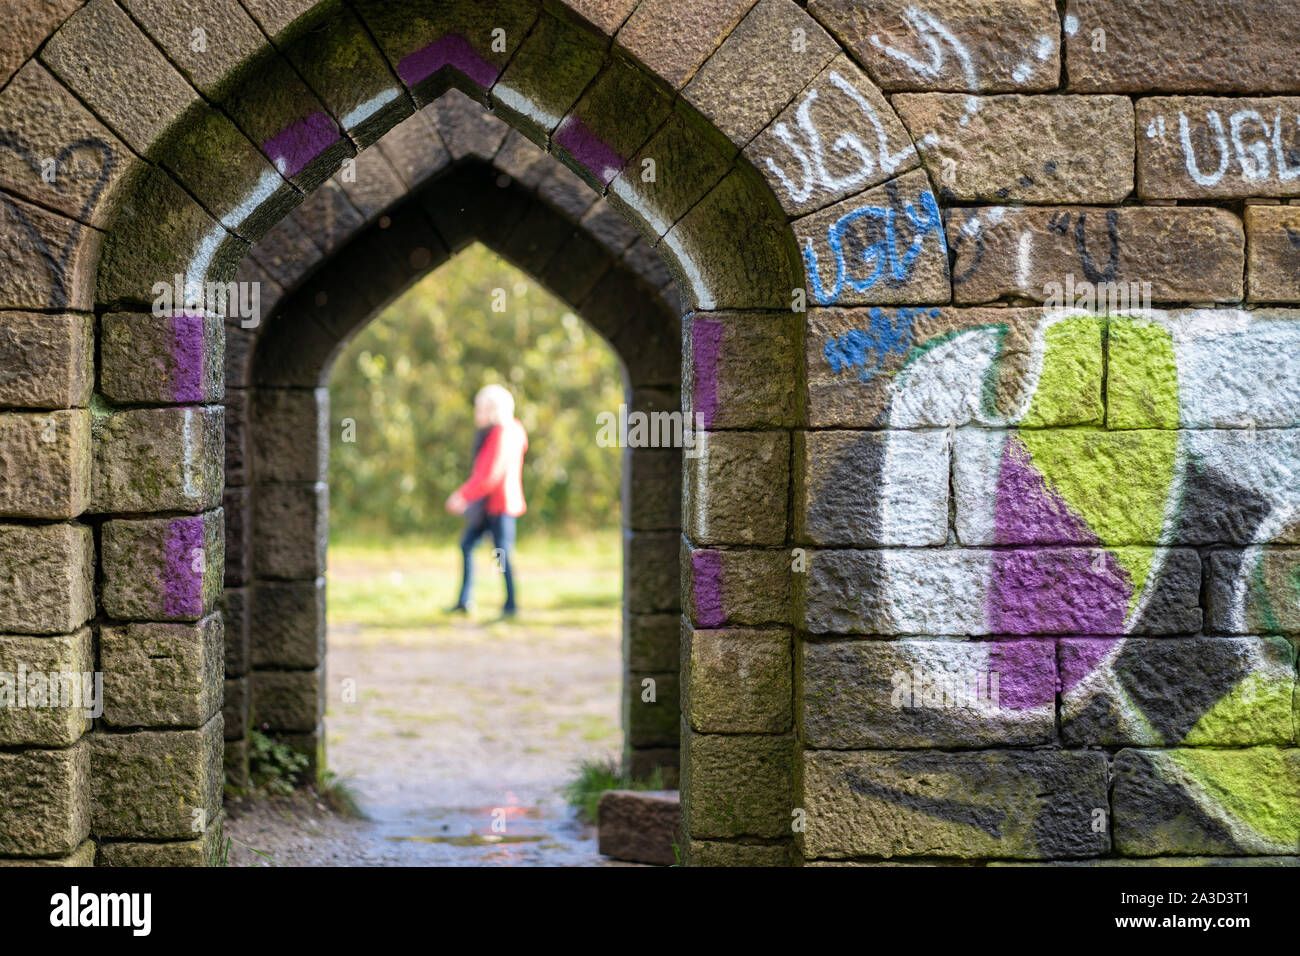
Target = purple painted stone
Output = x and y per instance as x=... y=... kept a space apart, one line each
x=187 y=357
x=451 y=50
x=1026 y=672
x=599 y=158
x=182 y=584
x=1037 y=590
x=706 y=343
x=1081 y=656
x=706 y=573
x=300 y=142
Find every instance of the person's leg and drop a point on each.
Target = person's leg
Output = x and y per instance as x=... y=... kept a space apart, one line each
x=503 y=540
x=473 y=531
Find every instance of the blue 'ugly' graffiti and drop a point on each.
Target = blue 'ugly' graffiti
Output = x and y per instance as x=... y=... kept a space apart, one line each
x=882 y=254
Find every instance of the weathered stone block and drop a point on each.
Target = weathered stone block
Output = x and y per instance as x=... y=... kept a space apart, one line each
x=929 y=693
x=1038 y=149
x=1183 y=148
x=44 y=463
x=1207 y=368
x=741 y=370
x=163 y=568
x=42 y=119
x=871 y=488
x=651 y=576
x=882 y=246
x=1215 y=692
x=212 y=58
x=288 y=123
x=291 y=442
x=737 y=681
x=162 y=675
x=292 y=701
x=83 y=855
x=740 y=100
x=161 y=785
x=719 y=853
x=46 y=361
x=48 y=685
x=739 y=785
x=237 y=503
x=1057 y=486
x=152 y=459
x=160 y=234
x=712 y=270
x=545 y=78
x=235 y=707
x=30 y=278
x=652 y=709
x=747 y=475
x=1003 y=45
x=340 y=64
x=1040 y=590
x=696 y=29
x=291 y=530
x=1207 y=801
x=288 y=624
x=1021 y=804
x=1163 y=47
x=842 y=108
x=651 y=641
x=1271 y=253
x=591 y=141
x=1103 y=260
x=739 y=586
x=447 y=44
x=414 y=149
x=236 y=614
x=652 y=489
x=139 y=103
x=46 y=809
x=49 y=574
x=1252 y=592
x=215 y=161
x=205 y=850
x=640 y=826
x=643 y=763
x=162 y=359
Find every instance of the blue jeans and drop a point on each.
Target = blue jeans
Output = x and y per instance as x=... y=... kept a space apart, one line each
x=502 y=529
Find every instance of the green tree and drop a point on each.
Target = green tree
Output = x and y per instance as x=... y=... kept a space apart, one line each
x=408 y=380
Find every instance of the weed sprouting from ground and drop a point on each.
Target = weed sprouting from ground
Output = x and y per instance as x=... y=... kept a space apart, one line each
x=594 y=777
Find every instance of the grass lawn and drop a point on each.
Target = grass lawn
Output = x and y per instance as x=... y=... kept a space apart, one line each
x=562 y=582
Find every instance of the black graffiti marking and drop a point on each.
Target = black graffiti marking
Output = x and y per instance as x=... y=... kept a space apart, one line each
x=1111 y=272
x=56 y=263
x=988 y=819
x=1294 y=236
x=1059 y=223
x=958 y=238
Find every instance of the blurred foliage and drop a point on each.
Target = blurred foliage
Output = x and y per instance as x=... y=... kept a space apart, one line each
x=408 y=381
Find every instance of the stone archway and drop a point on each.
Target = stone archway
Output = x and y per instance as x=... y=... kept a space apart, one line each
x=277 y=437
x=874 y=494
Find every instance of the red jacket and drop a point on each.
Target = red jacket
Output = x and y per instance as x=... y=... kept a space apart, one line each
x=498 y=471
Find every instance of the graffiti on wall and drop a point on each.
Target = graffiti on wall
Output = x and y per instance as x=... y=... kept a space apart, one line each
x=1076 y=524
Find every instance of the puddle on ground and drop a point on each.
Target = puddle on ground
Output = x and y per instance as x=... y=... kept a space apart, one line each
x=511 y=834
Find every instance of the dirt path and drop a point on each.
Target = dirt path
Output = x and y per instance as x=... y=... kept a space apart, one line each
x=459 y=738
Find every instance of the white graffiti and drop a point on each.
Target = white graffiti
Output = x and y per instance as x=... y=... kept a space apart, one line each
x=813 y=159
x=1250 y=140
x=935 y=36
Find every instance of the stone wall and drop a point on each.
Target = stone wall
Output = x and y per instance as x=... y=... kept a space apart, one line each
x=971 y=568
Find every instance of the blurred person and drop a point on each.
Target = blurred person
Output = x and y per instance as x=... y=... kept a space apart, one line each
x=493 y=497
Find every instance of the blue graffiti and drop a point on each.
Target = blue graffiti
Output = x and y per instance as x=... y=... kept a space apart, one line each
x=868 y=348
x=881 y=255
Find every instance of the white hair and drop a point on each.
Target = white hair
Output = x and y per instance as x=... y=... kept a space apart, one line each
x=498 y=401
